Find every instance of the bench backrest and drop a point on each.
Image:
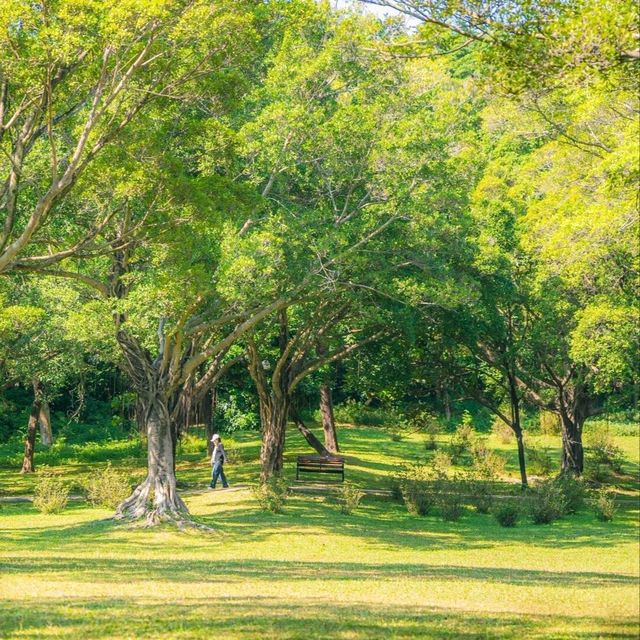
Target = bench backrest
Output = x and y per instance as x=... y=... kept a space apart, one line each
x=320 y=460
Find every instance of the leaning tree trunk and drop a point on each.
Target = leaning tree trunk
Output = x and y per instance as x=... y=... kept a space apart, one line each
x=328 y=421
x=274 y=426
x=156 y=497
x=308 y=435
x=44 y=418
x=30 y=439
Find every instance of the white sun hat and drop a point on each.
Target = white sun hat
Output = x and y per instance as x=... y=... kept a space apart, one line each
x=215 y=437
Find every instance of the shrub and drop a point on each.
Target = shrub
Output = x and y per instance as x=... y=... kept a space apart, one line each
x=234 y=455
x=595 y=473
x=349 y=497
x=480 y=492
x=463 y=438
x=546 y=502
x=431 y=444
x=272 y=494
x=396 y=489
x=441 y=463
x=450 y=499
x=51 y=494
x=540 y=461
x=487 y=464
x=549 y=423
x=417 y=489
x=428 y=423
x=604 y=505
x=353 y=412
x=573 y=490
x=502 y=431
x=507 y=514
x=604 y=451
x=107 y=487
x=418 y=498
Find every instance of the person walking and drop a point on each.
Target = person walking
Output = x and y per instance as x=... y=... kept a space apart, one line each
x=218 y=458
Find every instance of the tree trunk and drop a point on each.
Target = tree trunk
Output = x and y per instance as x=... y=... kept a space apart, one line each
x=209 y=404
x=447 y=404
x=30 y=439
x=574 y=406
x=273 y=435
x=44 y=418
x=517 y=427
x=328 y=421
x=308 y=435
x=140 y=419
x=572 y=450
x=156 y=497
x=521 y=459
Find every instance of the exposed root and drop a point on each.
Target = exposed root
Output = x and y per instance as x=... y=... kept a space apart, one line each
x=157 y=502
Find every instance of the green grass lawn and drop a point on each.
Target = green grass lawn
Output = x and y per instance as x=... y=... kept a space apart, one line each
x=312 y=572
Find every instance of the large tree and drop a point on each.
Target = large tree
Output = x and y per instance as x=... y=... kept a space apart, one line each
x=74 y=76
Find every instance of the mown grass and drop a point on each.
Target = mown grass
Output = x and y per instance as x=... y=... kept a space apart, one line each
x=311 y=572
x=314 y=573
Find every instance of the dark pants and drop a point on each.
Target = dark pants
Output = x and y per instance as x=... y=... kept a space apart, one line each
x=218 y=472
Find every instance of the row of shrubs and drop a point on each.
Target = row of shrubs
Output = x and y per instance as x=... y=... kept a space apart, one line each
x=108 y=487
x=604 y=457
x=105 y=488
x=272 y=495
x=425 y=489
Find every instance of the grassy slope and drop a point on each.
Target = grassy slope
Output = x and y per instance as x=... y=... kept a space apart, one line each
x=312 y=572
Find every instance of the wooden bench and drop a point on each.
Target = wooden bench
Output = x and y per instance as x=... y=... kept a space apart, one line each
x=320 y=464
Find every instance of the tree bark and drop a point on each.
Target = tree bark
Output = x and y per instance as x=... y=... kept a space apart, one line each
x=273 y=435
x=209 y=417
x=572 y=449
x=574 y=405
x=516 y=426
x=328 y=421
x=447 y=404
x=44 y=418
x=28 y=465
x=156 y=497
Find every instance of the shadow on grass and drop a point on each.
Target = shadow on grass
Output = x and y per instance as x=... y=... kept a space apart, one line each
x=257 y=617
x=382 y=524
x=224 y=571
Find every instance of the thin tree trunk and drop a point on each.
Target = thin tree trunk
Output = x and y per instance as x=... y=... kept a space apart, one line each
x=156 y=497
x=28 y=465
x=521 y=460
x=328 y=421
x=516 y=426
x=44 y=418
x=447 y=404
x=209 y=404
